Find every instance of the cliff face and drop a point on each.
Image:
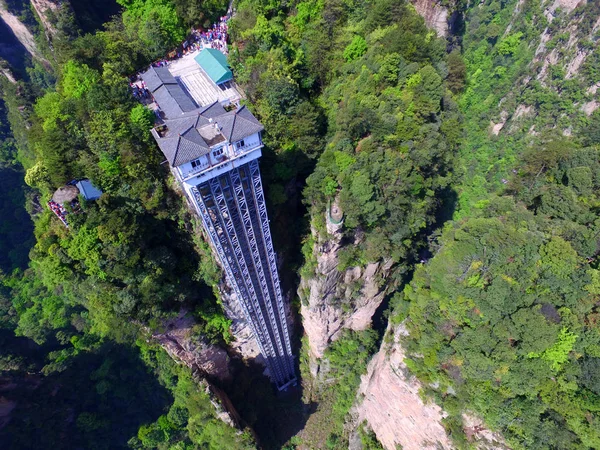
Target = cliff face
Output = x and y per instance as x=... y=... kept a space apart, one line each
x=435 y=15
x=183 y=345
x=389 y=402
x=207 y=361
x=562 y=48
x=224 y=409
x=334 y=299
x=20 y=31
x=44 y=9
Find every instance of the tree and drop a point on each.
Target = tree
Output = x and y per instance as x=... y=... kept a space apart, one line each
x=355 y=49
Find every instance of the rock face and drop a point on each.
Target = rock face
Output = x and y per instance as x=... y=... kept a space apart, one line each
x=43 y=8
x=207 y=361
x=224 y=409
x=181 y=343
x=392 y=407
x=332 y=299
x=389 y=401
x=20 y=31
x=435 y=15
x=244 y=343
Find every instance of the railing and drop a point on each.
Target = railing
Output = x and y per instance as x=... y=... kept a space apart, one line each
x=247 y=147
x=193 y=171
x=220 y=160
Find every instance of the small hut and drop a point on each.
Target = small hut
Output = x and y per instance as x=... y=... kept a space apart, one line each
x=65 y=195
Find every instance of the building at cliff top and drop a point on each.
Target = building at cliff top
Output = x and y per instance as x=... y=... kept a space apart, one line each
x=214 y=155
x=203 y=76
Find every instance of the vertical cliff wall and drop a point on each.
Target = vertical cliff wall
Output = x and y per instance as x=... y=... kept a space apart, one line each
x=436 y=16
x=334 y=299
x=389 y=402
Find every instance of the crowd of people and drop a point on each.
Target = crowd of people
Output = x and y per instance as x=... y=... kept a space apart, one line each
x=215 y=37
x=59 y=210
x=140 y=92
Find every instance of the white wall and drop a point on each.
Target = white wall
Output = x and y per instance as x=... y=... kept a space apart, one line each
x=184 y=169
x=249 y=142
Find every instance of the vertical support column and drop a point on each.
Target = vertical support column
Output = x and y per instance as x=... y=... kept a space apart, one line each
x=242 y=182
x=217 y=237
x=262 y=211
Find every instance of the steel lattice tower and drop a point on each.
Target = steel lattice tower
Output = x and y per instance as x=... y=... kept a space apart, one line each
x=214 y=154
x=234 y=214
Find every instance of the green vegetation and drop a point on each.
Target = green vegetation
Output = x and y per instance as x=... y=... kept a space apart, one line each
x=125 y=264
x=190 y=421
x=346 y=360
x=503 y=316
x=368 y=439
x=354 y=96
x=454 y=153
x=15 y=223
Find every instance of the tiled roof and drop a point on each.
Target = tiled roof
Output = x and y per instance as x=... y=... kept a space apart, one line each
x=155 y=77
x=172 y=100
x=183 y=141
x=239 y=124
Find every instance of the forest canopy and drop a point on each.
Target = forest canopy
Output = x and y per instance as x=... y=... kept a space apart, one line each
x=488 y=219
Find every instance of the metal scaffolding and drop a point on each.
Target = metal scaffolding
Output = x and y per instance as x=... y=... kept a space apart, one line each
x=233 y=211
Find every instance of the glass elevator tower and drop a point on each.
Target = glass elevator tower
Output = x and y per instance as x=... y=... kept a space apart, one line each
x=214 y=154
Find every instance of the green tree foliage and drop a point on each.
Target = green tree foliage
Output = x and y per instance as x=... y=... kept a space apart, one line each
x=156 y=22
x=77 y=79
x=191 y=421
x=98 y=401
x=505 y=312
x=126 y=263
x=15 y=223
x=346 y=360
x=355 y=49
x=394 y=130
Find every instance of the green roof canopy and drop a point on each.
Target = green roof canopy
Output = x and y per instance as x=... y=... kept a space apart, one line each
x=215 y=65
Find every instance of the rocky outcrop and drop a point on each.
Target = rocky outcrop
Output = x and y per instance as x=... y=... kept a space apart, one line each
x=20 y=31
x=224 y=409
x=390 y=403
x=435 y=15
x=561 y=47
x=207 y=361
x=45 y=9
x=184 y=345
x=333 y=299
